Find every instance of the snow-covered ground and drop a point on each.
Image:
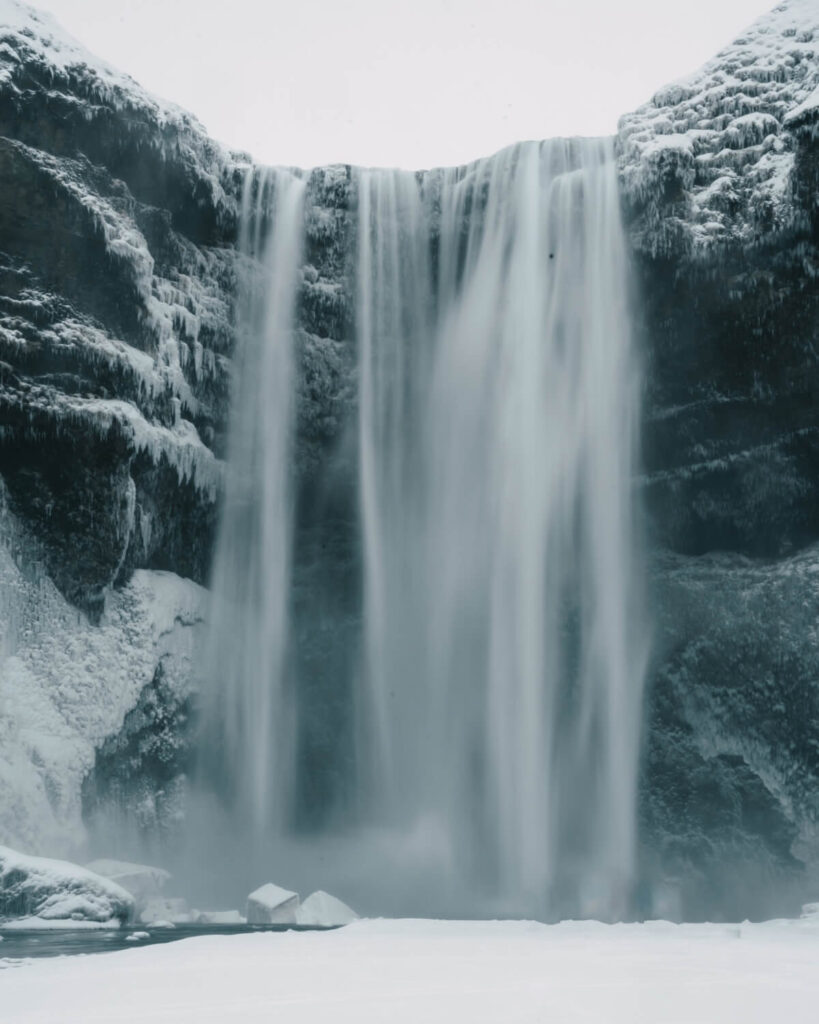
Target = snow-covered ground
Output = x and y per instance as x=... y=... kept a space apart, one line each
x=436 y=971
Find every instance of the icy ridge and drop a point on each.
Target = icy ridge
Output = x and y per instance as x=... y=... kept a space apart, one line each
x=183 y=298
x=719 y=147
x=29 y=36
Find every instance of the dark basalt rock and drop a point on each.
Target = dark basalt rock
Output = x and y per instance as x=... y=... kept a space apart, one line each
x=117 y=283
x=730 y=790
x=139 y=774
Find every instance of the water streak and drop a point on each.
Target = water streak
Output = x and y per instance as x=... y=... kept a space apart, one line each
x=498 y=425
x=250 y=711
x=498 y=696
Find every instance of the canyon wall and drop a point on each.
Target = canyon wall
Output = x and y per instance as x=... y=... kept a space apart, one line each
x=118 y=274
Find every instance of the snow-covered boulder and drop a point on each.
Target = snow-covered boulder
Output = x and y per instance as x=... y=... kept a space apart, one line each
x=56 y=890
x=171 y=911
x=270 y=904
x=811 y=911
x=142 y=881
x=324 y=911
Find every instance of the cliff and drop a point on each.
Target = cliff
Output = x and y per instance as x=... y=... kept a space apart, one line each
x=118 y=271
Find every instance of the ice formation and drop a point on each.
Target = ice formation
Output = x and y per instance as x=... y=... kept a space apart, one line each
x=36 y=889
x=66 y=685
x=174 y=304
x=720 y=143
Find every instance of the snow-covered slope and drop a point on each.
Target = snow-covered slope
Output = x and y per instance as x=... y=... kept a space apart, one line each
x=67 y=685
x=35 y=44
x=721 y=145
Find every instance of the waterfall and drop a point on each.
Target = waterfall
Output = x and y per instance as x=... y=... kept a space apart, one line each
x=250 y=712
x=496 y=696
x=503 y=634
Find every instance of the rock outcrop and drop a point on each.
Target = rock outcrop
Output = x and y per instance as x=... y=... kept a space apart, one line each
x=720 y=174
x=39 y=892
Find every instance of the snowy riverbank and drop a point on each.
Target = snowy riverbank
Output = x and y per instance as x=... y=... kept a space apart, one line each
x=408 y=971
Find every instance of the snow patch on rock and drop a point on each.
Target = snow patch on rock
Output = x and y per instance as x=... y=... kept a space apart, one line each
x=66 y=685
x=55 y=890
x=31 y=35
x=719 y=145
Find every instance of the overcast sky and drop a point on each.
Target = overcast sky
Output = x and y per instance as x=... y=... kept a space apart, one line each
x=403 y=82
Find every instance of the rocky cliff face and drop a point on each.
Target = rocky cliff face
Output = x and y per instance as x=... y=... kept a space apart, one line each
x=118 y=268
x=720 y=180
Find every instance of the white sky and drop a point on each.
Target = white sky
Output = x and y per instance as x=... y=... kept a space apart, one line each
x=403 y=82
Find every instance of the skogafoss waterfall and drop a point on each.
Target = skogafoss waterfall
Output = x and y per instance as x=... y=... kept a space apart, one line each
x=498 y=688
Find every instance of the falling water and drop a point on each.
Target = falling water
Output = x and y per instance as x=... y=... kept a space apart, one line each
x=250 y=712
x=497 y=695
x=504 y=655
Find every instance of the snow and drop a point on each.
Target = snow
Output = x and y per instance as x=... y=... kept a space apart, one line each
x=66 y=685
x=180 y=444
x=807 y=108
x=323 y=910
x=54 y=890
x=436 y=971
x=176 y=304
x=270 y=904
x=36 y=34
x=735 y=119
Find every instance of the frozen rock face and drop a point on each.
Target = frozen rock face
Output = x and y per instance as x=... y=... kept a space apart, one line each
x=116 y=286
x=67 y=685
x=731 y=787
x=713 y=160
x=719 y=175
x=117 y=217
x=55 y=890
x=270 y=904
